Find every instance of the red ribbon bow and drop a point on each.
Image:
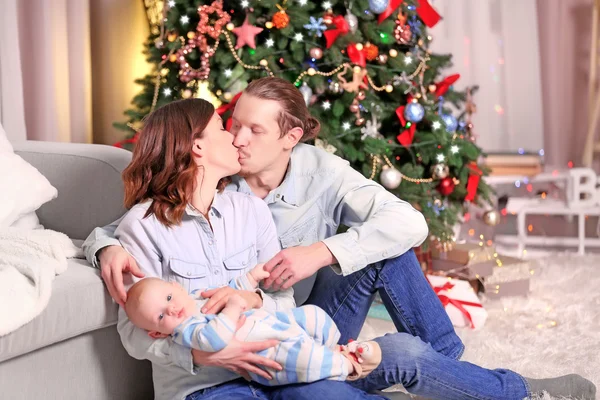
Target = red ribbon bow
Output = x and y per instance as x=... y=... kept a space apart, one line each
x=229 y=106
x=341 y=28
x=473 y=181
x=443 y=86
x=132 y=140
x=456 y=303
x=405 y=138
x=427 y=13
x=357 y=57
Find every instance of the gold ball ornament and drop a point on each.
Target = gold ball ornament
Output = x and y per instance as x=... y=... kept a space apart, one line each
x=227 y=96
x=439 y=171
x=312 y=71
x=491 y=217
x=389 y=88
x=357 y=69
x=359 y=46
x=230 y=26
x=173 y=58
x=269 y=25
x=281 y=19
x=393 y=53
x=264 y=62
x=187 y=93
x=191 y=35
x=171 y=37
x=432 y=88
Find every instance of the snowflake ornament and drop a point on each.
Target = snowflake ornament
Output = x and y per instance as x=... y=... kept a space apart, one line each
x=371 y=129
x=316 y=26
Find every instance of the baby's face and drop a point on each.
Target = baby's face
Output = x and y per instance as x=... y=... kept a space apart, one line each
x=162 y=307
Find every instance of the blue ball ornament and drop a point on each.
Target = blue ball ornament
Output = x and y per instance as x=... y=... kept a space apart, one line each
x=378 y=6
x=414 y=112
x=450 y=122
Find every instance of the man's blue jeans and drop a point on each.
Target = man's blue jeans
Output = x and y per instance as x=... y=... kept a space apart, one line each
x=423 y=356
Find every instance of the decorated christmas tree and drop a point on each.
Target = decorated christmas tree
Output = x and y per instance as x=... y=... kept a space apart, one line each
x=384 y=100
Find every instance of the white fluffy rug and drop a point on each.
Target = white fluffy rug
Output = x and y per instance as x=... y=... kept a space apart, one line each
x=552 y=332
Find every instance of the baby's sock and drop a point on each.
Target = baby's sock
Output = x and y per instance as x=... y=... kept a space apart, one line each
x=564 y=386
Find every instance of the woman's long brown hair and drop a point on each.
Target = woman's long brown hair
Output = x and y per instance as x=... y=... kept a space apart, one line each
x=162 y=168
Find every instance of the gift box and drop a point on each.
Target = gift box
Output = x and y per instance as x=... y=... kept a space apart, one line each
x=460 y=301
x=466 y=253
x=511 y=277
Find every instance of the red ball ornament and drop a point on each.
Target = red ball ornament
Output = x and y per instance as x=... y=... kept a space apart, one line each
x=281 y=19
x=446 y=186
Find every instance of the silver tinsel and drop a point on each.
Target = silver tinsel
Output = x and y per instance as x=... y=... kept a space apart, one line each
x=352 y=21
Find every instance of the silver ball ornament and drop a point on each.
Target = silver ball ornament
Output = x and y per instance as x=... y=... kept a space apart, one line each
x=390 y=177
x=439 y=171
x=378 y=6
x=491 y=217
x=352 y=21
x=307 y=93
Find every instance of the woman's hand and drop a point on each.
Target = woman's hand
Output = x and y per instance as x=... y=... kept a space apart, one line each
x=218 y=299
x=240 y=357
x=114 y=263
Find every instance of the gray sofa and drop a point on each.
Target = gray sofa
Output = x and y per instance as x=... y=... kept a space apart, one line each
x=72 y=350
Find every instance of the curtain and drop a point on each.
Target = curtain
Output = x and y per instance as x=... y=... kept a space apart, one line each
x=495 y=44
x=565 y=31
x=12 y=115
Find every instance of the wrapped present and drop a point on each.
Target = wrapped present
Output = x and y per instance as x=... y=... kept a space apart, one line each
x=511 y=277
x=466 y=253
x=460 y=301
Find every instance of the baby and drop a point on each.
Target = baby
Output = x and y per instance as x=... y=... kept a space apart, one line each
x=308 y=349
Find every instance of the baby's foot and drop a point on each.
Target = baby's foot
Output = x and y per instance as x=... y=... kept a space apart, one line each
x=364 y=356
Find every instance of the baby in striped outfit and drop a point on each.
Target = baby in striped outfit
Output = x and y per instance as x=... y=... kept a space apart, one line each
x=308 y=349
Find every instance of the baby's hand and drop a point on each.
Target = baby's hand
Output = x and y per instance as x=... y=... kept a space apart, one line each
x=237 y=301
x=259 y=273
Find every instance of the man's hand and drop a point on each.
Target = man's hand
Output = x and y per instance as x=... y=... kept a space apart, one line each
x=114 y=263
x=218 y=298
x=240 y=358
x=295 y=264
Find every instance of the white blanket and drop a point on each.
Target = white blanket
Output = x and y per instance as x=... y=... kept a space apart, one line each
x=29 y=260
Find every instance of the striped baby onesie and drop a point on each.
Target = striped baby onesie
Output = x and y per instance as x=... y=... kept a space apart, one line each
x=308 y=340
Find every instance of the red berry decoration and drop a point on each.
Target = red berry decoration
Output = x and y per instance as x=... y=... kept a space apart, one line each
x=281 y=19
x=446 y=186
x=371 y=51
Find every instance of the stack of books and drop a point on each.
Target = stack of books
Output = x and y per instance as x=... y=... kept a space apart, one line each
x=528 y=164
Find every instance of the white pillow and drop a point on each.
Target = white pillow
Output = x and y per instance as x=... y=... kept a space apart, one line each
x=28 y=221
x=22 y=188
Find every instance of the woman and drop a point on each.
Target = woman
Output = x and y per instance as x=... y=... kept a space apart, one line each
x=183 y=227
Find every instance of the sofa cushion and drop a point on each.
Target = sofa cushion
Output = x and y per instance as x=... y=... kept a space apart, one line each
x=79 y=303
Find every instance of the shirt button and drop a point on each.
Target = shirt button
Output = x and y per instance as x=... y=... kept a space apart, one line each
x=244 y=263
x=278 y=196
x=216 y=272
x=189 y=274
x=210 y=243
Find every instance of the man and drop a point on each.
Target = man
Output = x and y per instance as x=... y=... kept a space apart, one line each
x=310 y=194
